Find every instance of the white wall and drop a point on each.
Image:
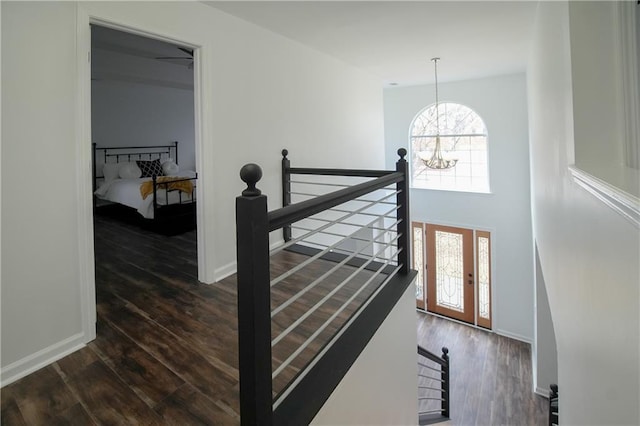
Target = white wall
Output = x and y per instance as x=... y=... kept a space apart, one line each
x=599 y=98
x=381 y=387
x=138 y=101
x=589 y=254
x=501 y=102
x=132 y=114
x=545 y=351
x=261 y=92
x=597 y=109
x=40 y=286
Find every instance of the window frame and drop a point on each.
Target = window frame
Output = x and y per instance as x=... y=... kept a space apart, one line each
x=485 y=188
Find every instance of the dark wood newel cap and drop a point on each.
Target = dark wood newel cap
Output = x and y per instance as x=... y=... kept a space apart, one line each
x=251 y=174
x=402 y=153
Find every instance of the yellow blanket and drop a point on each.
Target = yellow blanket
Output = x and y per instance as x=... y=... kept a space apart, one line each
x=169 y=183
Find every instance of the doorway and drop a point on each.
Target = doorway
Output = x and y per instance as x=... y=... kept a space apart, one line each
x=87 y=17
x=143 y=127
x=454 y=272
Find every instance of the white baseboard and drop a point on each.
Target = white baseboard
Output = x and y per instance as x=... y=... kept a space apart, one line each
x=515 y=336
x=543 y=392
x=27 y=365
x=225 y=271
x=232 y=267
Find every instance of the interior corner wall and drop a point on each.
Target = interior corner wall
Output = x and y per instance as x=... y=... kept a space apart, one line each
x=588 y=252
x=261 y=93
x=545 y=351
x=502 y=103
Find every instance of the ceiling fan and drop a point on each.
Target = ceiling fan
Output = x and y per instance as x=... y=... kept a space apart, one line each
x=189 y=58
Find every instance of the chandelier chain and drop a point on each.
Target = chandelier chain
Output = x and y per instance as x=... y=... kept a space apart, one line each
x=437 y=161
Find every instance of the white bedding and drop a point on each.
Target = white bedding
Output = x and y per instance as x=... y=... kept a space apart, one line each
x=127 y=192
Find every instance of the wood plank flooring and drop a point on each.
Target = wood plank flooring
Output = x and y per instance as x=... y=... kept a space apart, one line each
x=166 y=351
x=491 y=378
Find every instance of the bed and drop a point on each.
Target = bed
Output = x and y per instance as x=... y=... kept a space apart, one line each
x=145 y=185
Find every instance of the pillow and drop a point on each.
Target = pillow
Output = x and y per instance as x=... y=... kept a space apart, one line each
x=150 y=168
x=169 y=168
x=110 y=171
x=166 y=159
x=129 y=171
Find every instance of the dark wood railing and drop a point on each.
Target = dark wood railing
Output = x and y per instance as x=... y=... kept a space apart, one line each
x=433 y=386
x=303 y=399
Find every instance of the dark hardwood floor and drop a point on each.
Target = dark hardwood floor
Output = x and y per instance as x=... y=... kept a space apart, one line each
x=166 y=350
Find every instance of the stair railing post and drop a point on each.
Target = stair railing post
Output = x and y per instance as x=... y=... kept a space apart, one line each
x=254 y=307
x=286 y=191
x=446 y=388
x=554 y=405
x=403 y=227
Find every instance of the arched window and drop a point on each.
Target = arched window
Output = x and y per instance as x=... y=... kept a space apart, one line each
x=463 y=137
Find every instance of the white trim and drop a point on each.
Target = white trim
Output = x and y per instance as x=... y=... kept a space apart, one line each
x=206 y=207
x=84 y=186
x=545 y=393
x=27 y=365
x=232 y=267
x=225 y=271
x=514 y=336
x=620 y=201
x=629 y=90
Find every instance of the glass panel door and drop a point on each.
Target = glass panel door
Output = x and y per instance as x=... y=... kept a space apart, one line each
x=444 y=258
x=450 y=282
x=483 y=274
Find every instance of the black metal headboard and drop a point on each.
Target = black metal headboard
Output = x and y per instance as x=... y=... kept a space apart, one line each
x=119 y=154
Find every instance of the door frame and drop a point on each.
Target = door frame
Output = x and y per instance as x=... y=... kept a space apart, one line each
x=205 y=213
x=421 y=303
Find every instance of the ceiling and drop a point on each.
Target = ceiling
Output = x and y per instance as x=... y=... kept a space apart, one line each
x=395 y=40
x=131 y=44
x=124 y=57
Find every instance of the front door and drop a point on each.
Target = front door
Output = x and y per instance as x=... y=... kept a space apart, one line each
x=450 y=282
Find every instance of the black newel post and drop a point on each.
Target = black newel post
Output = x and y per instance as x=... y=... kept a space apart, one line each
x=446 y=387
x=404 y=227
x=286 y=191
x=254 y=308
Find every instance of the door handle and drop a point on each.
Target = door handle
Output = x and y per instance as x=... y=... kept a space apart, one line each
x=470 y=281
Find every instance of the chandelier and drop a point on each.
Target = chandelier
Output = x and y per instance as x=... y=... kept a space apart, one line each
x=437 y=161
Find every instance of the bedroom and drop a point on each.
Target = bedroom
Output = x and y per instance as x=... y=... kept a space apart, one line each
x=142 y=117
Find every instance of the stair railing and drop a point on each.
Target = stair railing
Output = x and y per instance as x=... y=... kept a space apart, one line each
x=381 y=205
x=434 y=394
x=554 y=410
